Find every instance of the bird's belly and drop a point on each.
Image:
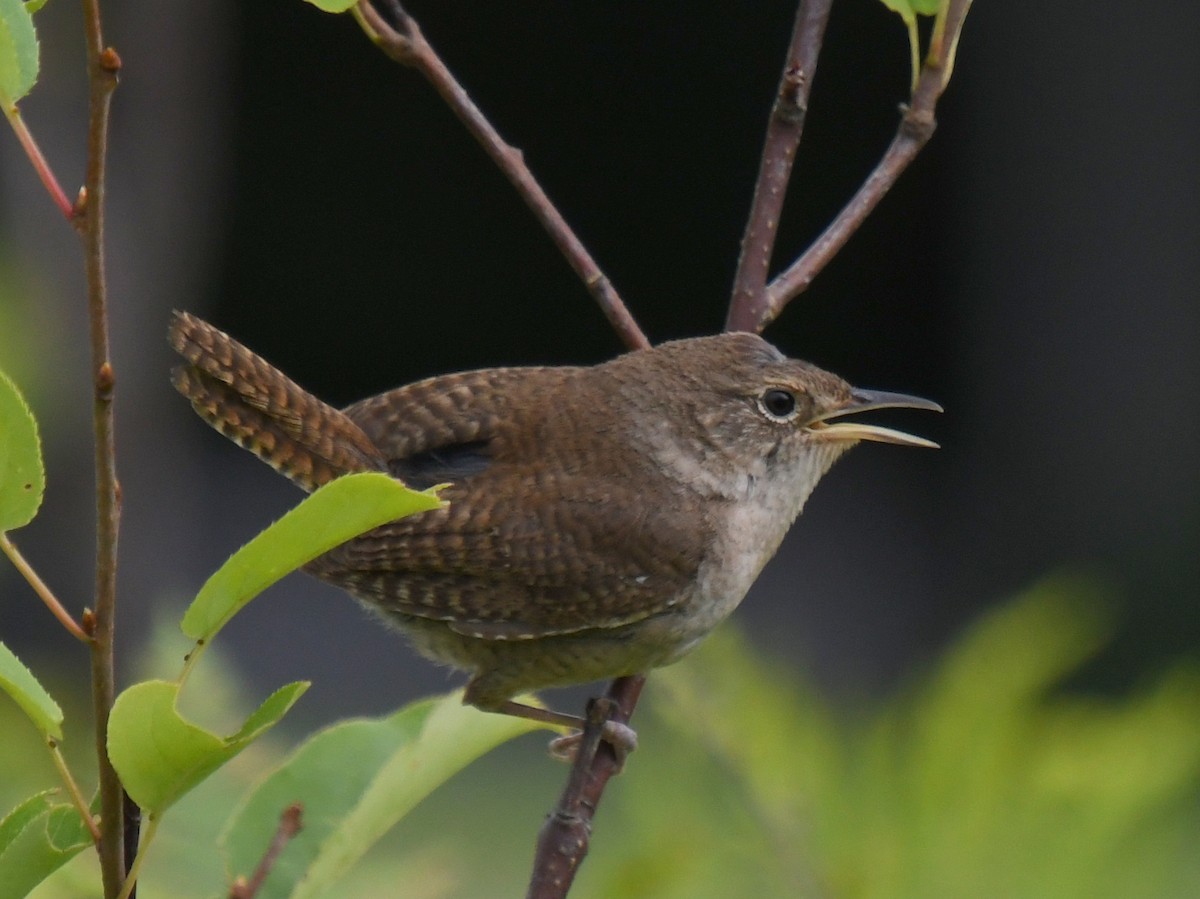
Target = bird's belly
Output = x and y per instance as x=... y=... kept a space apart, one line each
x=514 y=666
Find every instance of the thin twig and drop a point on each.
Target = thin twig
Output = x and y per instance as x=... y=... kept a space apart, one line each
x=563 y=841
x=103 y=65
x=917 y=125
x=40 y=165
x=129 y=887
x=915 y=130
x=133 y=831
x=45 y=594
x=73 y=790
x=407 y=45
x=290 y=824
x=784 y=129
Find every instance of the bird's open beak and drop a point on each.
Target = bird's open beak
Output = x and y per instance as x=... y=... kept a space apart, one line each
x=862 y=401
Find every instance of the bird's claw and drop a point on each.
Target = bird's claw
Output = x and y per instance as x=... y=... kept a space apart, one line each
x=621 y=737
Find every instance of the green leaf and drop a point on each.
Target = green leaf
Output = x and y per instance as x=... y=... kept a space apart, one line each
x=22 y=478
x=985 y=777
x=902 y=8
x=908 y=10
x=780 y=738
x=161 y=756
x=18 y=52
x=37 y=838
x=355 y=780
x=334 y=514
x=907 y=14
x=333 y=5
x=18 y=682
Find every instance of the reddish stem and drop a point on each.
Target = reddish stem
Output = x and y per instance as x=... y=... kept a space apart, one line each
x=45 y=594
x=290 y=824
x=916 y=128
x=563 y=841
x=40 y=165
x=103 y=65
x=784 y=130
x=408 y=46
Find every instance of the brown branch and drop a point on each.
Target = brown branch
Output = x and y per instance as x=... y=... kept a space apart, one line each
x=290 y=824
x=407 y=45
x=916 y=128
x=563 y=841
x=784 y=129
x=103 y=65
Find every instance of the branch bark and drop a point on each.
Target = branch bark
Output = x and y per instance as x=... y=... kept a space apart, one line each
x=916 y=127
x=404 y=42
x=290 y=823
x=784 y=130
x=103 y=65
x=563 y=841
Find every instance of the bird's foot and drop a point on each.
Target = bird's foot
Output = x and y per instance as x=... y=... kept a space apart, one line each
x=621 y=737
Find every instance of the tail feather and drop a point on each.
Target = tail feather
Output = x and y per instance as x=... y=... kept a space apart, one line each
x=261 y=409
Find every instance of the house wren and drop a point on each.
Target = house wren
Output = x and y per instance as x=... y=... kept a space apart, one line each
x=601 y=520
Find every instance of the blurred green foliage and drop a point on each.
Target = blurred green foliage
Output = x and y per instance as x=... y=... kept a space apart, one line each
x=982 y=778
x=979 y=780
x=23 y=326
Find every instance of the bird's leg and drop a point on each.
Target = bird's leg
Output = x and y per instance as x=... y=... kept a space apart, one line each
x=621 y=737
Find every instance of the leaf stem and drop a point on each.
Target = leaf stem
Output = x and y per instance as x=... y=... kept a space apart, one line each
x=39 y=587
x=189 y=662
x=103 y=64
x=148 y=834
x=408 y=47
x=73 y=790
x=40 y=165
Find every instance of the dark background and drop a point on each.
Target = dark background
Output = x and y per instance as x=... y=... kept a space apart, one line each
x=1036 y=271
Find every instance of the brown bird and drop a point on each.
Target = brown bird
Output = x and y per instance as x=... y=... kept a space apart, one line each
x=601 y=520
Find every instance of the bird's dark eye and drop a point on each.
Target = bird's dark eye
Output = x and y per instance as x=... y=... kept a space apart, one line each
x=779 y=403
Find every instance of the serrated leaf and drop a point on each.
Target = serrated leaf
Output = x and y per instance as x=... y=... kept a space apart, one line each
x=22 y=478
x=18 y=682
x=161 y=756
x=16 y=820
x=355 y=780
x=36 y=838
x=332 y=5
x=18 y=52
x=333 y=514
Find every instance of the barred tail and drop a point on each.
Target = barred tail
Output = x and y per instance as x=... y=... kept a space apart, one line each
x=261 y=409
